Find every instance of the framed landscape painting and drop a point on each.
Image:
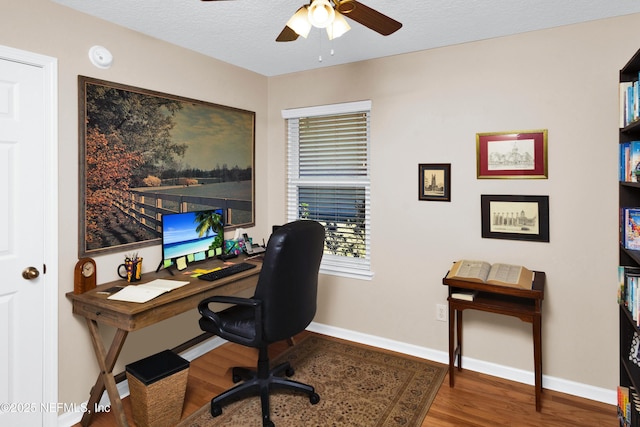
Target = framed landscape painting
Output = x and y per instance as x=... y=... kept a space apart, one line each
x=144 y=153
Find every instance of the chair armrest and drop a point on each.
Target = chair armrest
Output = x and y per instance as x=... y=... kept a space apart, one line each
x=228 y=299
x=205 y=311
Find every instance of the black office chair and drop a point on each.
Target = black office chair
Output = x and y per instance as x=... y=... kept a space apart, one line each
x=283 y=305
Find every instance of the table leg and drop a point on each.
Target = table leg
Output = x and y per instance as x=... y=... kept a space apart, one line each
x=459 y=338
x=106 y=361
x=537 y=359
x=452 y=350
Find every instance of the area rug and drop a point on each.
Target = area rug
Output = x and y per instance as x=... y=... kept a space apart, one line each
x=358 y=386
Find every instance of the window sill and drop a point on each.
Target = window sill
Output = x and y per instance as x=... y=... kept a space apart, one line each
x=346 y=272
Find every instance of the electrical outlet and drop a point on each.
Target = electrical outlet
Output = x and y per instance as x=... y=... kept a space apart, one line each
x=441 y=312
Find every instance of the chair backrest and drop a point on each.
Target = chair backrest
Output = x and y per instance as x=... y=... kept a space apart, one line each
x=288 y=283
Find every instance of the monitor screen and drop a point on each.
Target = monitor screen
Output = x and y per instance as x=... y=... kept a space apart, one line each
x=196 y=235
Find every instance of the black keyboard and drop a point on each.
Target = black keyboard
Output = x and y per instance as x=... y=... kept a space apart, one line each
x=227 y=271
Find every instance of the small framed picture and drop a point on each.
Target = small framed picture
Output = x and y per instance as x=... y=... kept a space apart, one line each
x=511 y=155
x=515 y=217
x=434 y=181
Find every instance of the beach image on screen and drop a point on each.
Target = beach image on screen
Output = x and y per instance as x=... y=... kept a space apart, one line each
x=191 y=233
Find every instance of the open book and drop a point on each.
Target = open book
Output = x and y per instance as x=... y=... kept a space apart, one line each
x=514 y=276
x=148 y=291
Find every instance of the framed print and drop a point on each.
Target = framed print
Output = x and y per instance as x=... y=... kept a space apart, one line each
x=515 y=154
x=143 y=154
x=434 y=181
x=515 y=217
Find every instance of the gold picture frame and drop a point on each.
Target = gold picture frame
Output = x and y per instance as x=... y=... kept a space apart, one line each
x=512 y=155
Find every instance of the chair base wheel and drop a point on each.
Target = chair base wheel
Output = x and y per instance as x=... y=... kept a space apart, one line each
x=289 y=372
x=216 y=410
x=314 y=398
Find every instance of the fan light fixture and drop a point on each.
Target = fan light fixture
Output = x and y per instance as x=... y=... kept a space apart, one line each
x=338 y=27
x=319 y=14
x=299 y=22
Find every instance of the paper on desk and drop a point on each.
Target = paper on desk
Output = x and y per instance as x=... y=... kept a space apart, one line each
x=148 y=291
x=166 y=284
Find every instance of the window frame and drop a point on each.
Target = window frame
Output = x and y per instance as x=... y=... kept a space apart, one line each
x=339 y=265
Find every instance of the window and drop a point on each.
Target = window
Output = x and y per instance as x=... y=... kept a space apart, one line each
x=328 y=181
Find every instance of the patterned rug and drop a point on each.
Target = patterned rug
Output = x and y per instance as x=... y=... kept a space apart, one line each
x=358 y=387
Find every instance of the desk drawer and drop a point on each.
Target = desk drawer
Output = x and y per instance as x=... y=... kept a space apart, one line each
x=100 y=315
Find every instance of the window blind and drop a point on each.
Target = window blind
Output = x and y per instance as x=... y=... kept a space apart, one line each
x=328 y=181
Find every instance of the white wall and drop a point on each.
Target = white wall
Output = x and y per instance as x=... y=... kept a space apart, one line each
x=45 y=27
x=427 y=108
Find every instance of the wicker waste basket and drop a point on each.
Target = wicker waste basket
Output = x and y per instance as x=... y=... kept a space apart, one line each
x=157 y=385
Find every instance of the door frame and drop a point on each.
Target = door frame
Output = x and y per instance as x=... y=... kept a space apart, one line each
x=49 y=66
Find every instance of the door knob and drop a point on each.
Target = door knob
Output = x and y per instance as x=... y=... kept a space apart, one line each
x=30 y=273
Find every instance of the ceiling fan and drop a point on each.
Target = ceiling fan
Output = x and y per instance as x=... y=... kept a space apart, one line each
x=330 y=14
x=323 y=14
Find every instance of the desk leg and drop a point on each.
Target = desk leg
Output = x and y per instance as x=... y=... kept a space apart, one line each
x=106 y=361
x=537 y=359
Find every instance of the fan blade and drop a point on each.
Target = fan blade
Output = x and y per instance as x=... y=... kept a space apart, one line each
x=287 y=35
x=373 y=19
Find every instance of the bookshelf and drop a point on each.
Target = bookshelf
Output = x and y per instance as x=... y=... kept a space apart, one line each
x=629 y=197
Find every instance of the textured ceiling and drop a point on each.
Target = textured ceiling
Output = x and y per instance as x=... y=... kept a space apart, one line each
x=243 y=32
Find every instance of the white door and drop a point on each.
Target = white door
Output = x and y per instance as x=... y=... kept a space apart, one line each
x=25 y=300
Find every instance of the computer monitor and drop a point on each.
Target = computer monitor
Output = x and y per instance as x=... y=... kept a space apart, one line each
x=192 y=236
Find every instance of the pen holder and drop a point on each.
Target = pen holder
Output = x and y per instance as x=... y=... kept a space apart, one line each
x=132 y=270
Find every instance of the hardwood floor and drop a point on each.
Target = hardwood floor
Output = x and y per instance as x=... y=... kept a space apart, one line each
x=476 y=400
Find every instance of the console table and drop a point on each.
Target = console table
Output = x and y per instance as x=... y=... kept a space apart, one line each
x=128 y=316
x=526 y=304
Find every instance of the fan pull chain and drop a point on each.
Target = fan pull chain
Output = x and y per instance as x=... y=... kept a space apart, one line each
x=331 y=50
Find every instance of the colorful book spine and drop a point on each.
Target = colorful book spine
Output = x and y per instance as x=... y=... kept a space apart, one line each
x=631 y=228
x=629 y=102
x=623 y=103
x=629 y=290
x=629 y=161
x=625 y=162
x=634 y=152
x=623 y=401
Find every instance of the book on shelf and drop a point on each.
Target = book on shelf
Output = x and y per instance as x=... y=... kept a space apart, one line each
x=629 y=290
x=624 y=174
x=624 y=117
x=631 y=228
x=629 y=161
x=629 y=102
x=624 y=405
x=464 y=295
x=147 y=291
x=514 y=276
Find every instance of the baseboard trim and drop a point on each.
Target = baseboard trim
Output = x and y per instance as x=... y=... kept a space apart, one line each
x=526 y=377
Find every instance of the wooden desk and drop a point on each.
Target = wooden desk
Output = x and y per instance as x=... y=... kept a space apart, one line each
x=127 y=317
x=526 y=304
